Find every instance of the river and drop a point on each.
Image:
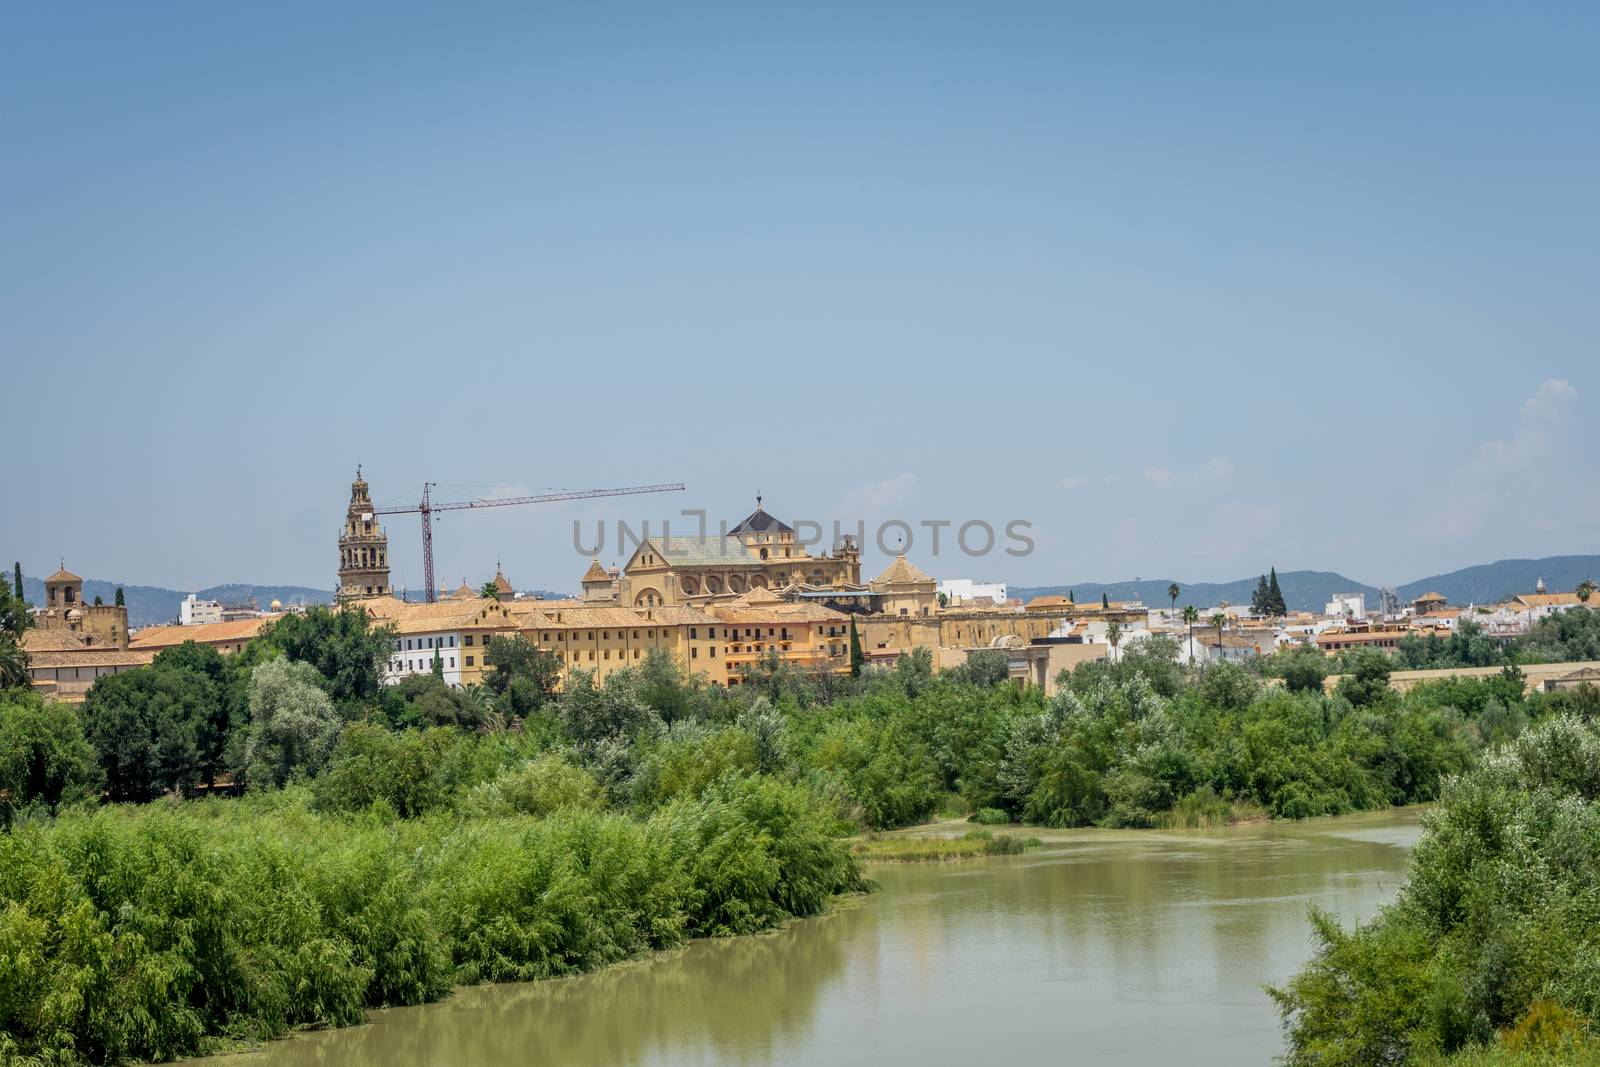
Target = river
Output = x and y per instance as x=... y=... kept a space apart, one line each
x=1102 y=947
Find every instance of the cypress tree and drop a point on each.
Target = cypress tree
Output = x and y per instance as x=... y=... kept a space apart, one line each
x=856 y=655
x=98 y=602
x=121 y=603
x=16 y=579
x=1105 y=602
x=1259 y=600
x=1275 y=595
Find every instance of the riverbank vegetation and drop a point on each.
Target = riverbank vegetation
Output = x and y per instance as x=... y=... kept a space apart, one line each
x=229 y=846
x=1491 y=953
x=928 y=848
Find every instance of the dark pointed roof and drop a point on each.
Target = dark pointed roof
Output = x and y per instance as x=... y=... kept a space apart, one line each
x=758 y=521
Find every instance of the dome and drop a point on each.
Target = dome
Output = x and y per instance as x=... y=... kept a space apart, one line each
x=75 y=613
x=276 y=605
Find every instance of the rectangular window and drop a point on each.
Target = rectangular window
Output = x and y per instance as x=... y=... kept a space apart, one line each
x=468 y=641
x=452 y=662
x=636 y=653
x=591 y=655
x=713 y=651
x=606 y=654
x=694 y=633
x=694 y=653
x=469 y=661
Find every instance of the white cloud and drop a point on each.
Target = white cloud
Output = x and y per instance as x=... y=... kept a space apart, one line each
x=1072 y=482
x=1514 y=478
x=1214 y=469
x=874 y=500
x=1551 y=402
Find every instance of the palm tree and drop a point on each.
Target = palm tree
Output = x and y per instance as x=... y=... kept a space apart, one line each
x=1114 y=637
x=1586 y=589
x=13 y=663
x=490 y=591
x=1218 y=620
x=1191 y=615
x=1172 y=595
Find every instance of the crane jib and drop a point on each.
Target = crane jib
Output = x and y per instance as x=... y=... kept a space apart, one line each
x=427 y=507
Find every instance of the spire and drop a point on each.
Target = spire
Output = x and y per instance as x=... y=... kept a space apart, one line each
x=758 y=500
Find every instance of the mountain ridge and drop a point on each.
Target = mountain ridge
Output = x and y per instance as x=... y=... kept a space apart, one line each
x=1309 y=590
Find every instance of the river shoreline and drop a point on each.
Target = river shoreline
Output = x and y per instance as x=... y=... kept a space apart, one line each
x=1195 y=921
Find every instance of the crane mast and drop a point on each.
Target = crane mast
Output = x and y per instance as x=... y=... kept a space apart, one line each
x=427 y=508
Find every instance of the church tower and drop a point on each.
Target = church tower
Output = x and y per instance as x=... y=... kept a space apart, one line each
x=363 y=548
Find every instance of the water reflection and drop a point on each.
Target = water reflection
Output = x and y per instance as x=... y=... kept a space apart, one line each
x=1100 y=949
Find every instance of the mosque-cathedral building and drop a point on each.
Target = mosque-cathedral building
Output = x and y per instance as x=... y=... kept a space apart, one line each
x=717 y=603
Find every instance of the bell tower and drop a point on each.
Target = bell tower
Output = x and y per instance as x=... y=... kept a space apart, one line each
x=363 y=548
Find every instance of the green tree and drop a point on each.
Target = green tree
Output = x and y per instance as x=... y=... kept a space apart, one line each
x=14 y=616
x=1304 y=667
x=857 y=657
x=1219 y=620
x=1191 y=615
x=1367 y=681
x=121 y=601
x=13 y=662
x=44 y=757
x=16 y=580
x=1586 y=589
x=293 y=724
x=1105 y=601
x=490 y=591
x=1173 y=592
x=1260 y=598
x=1275 y=602
x=522 y=677
x=341 y=645
x=97 y=601
x=226 y=708
x=1114 y=637
x=146 y=726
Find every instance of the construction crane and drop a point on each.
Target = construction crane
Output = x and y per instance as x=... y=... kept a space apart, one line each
x=427 y=508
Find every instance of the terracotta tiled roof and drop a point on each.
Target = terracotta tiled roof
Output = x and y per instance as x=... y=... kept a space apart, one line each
x=36 y=640
x=596 y=573
x=779 y=613
x=63 y=575
x=900 y=572
x=90 y=657
x=1550 y=600
x=211 y=633
x=1425 y=597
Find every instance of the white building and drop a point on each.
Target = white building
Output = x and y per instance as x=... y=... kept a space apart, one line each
x=1347 y=606
x=196 y=612
x=959 y=591
x=415 y=652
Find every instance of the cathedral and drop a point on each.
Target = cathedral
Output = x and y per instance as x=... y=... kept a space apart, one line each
x=761 y=552
x=363 y=548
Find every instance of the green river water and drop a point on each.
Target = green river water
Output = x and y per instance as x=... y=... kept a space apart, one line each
x=1102 y=947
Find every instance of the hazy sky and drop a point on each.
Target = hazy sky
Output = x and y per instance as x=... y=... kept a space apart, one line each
x=1194 y=289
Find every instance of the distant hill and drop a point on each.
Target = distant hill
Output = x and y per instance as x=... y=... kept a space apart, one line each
x=1310 y=590
x=151 y=605
x=1302 y=590
x=1491 y=582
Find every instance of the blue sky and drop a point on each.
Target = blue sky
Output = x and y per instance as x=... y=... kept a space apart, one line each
x=1194 y=289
